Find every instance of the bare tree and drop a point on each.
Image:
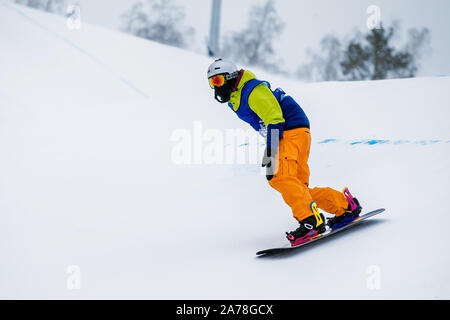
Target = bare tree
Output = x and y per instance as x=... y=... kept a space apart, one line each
x=53 y=6
x=418 y=46
x=157 y=20
x=254 y=44
x=326 y=65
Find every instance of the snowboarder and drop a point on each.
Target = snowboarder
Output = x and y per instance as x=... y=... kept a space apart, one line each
x=288 y=140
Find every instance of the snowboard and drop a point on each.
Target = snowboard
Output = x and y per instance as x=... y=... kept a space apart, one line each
x=324 y=235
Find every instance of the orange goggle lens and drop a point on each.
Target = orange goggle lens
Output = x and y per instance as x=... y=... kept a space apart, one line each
x=217 y=81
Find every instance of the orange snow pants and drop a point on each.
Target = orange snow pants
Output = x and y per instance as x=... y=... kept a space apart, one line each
x=291 y=178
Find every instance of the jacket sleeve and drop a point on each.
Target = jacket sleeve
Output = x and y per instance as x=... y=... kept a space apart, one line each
x=262 y=101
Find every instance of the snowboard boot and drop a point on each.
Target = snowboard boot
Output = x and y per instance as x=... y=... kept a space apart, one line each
x=310 y=228
x=351 y=213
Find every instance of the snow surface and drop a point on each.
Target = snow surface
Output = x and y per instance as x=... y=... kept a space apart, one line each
x=87 y=178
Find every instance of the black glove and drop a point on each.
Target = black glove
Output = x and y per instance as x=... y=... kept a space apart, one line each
x=268 y=162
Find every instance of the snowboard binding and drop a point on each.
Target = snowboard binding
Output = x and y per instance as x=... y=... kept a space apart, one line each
x=351 y=214
x=310 y=228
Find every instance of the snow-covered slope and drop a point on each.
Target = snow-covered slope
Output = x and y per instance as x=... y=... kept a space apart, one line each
x=88 y=179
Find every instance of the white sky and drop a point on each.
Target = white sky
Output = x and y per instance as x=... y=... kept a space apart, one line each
x=306 y=22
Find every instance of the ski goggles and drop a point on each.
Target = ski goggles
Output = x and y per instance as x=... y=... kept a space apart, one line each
x=219 y=80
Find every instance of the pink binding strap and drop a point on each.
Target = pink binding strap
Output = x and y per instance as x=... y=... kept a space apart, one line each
x=350 y=200
x=310 y=236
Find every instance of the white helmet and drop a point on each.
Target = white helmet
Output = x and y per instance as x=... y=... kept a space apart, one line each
x=221 y=67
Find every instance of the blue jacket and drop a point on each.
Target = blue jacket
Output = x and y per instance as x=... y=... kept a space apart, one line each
x=293 y=115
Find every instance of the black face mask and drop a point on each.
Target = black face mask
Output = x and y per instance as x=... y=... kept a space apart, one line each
x=223 y=93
